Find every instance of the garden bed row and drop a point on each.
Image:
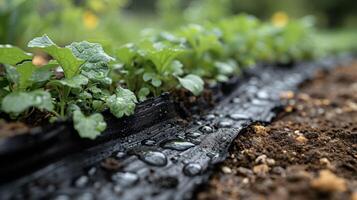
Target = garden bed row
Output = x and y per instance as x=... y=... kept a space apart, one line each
x=154 y=154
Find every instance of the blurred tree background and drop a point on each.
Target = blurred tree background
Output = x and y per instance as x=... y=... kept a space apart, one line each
x=114 y=22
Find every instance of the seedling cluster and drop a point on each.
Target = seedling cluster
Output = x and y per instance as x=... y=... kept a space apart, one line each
x=81 y=80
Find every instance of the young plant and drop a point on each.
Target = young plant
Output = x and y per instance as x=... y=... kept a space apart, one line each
x=153 y=68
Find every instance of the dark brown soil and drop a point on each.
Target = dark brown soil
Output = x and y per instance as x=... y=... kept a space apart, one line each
x=308 y=152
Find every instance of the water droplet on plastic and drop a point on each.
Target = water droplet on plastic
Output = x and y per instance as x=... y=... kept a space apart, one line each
x=118 y=189
x=192 y=169
x=85 y=196
x=125 y=179
x=225 y=124
x=206 y=129
x=148 y=142
x=263 y=94
x=193 y=134
x=258 y=102
x=81 y=181
x=179 y=145
x=210 y=117
x=62 y=197
x=238 y=116
x=92 y=171
x=236 y=100
x=199 y=123
x=120 y=154
x=153 y=158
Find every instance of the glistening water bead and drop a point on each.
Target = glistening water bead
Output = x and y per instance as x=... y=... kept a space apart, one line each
x=178 y=145
x=125 y=179
x=192 y=169
x=154 y=158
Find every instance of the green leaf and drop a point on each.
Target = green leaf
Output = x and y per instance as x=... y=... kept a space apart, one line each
x=90 y=52
x=126 y=53
x=76 y=82
x=155 y=79
x=25 y=71
x=12 y=75
x=88 y=127
x=43 y=73
x=18 y=102
x=96 y=66
x=12 y=55
x=143 y=93
x=160 y=54
x=192 y=83
x=64 y=56
x=122 y=103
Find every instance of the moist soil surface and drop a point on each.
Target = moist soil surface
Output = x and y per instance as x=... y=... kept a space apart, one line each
x=308 y=152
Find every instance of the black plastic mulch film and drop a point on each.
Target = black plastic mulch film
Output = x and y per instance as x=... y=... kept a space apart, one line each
x=158 y=154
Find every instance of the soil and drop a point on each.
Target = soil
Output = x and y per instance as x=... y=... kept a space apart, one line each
x=308 y=152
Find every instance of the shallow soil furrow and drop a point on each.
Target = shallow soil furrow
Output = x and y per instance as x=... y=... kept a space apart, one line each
x=308 y=152
x=168 y=160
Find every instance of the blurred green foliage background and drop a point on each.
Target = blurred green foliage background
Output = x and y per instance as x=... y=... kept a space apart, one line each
x=114 y=22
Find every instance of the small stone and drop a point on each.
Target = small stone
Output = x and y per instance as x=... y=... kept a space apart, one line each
x=261 y=170
x=226 y=170
x=301 y=139
x=260 y=130
x=244 y=171
x=261 y=159
x=279 y=170
x=325 y=162
x=270 y=161
x=354 y=196
x=287 y=95
x=289 y=109
x=304 y=97
x=329 y=182
x=245 y=180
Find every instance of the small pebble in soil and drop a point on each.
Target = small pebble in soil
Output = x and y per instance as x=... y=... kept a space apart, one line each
x=354 y=196
x=261 y=170
x=226 y=170
x=270 y=161
x=154 y=158
x=81 y=181
x=261 y=159
x=260 y=130
x=287 y=95
x=325 y=162
x=206 y=129
x=329 y=182
x=192 y=169
x=245 y=181
x=245 y=171
x=301 y=139
x=179 y=145
x=125 y=179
